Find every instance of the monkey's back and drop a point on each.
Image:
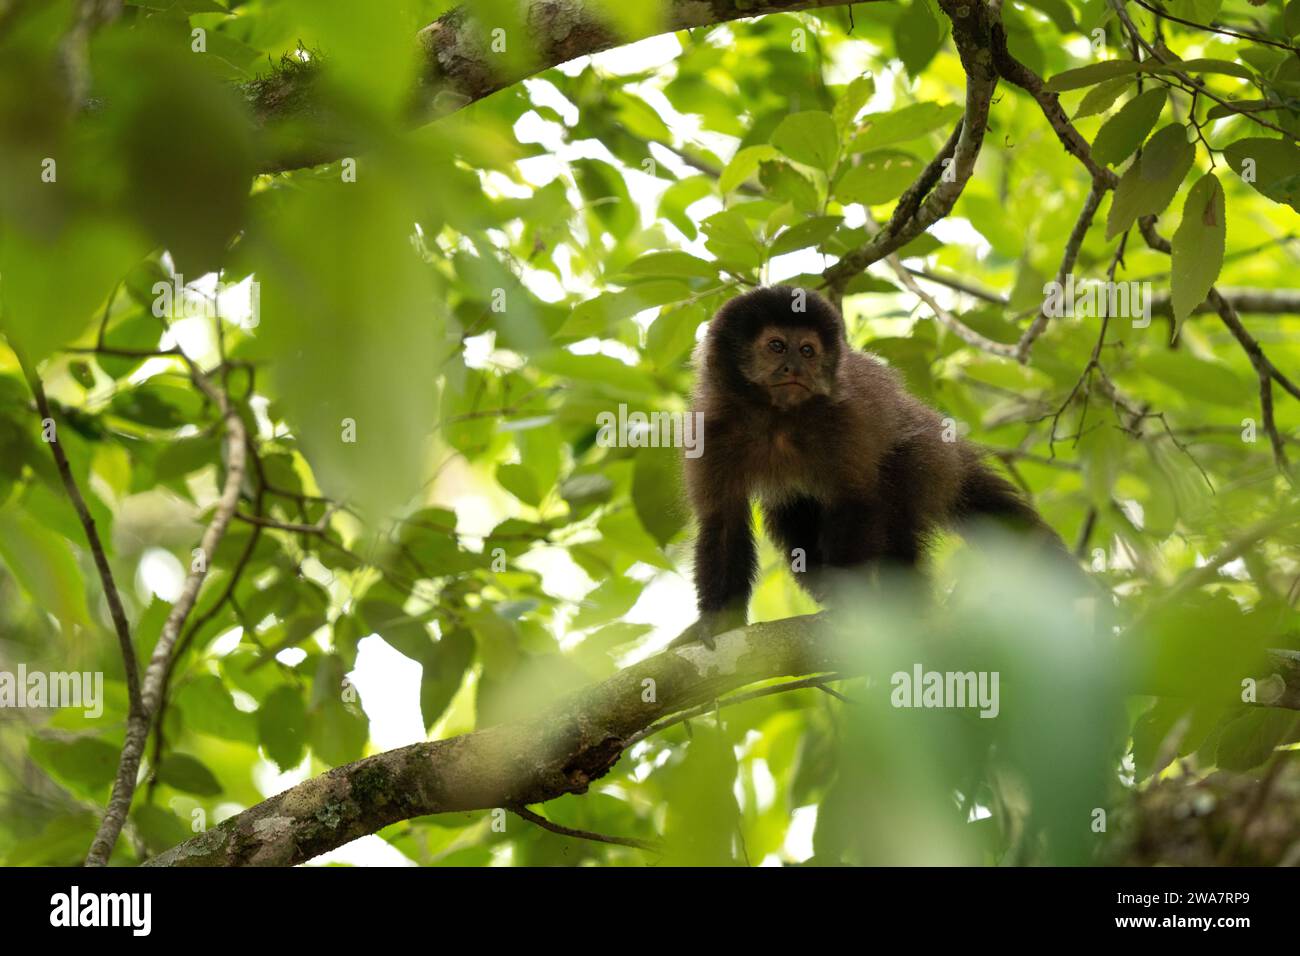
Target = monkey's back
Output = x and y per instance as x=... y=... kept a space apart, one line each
x=918 y=456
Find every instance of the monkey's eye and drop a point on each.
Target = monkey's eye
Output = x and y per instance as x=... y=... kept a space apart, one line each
x=776 y=345
x=806 y=351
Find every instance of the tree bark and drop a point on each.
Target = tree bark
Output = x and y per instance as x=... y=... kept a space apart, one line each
x=458 y=67
x=561 y=750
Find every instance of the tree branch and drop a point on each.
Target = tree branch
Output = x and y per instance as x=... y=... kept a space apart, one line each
x=560 y=750
x=1013 y=71
x=1223 y=31
x=541 y=821
x=946 y=318
x=137 y=725
x=111 y=594
x=458 y=67
x=972 y=25
x=1068 y=259
x=1265 y=370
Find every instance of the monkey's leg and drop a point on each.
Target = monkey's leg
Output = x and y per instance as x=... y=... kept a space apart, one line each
x=853 y=538
x=899 y=512
x=726 y=562
x=795 y=528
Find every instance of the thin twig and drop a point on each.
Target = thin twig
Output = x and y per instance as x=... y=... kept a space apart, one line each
x=701 y=709
x=522 y=811
x=1223 y=31
x=1193 y=84
x=1068 y=260
x=116 y=611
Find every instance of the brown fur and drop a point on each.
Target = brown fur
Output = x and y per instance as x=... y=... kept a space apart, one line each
x=846 y=463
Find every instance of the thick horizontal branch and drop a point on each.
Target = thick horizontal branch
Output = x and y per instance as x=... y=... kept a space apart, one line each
x=1261 y=301
x=557 y=751
x=561 y=750
x=1243 y=299
x=458 y=65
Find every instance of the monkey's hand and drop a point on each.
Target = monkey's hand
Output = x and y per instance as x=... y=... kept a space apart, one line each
x=709 y=625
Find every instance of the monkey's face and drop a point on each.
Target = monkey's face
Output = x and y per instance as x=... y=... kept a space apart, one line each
x=792 y=364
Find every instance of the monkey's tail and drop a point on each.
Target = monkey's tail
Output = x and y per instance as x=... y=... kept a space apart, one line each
x=984 y=494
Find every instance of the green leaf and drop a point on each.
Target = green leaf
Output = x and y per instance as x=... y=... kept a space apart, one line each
x=606 y=602
x=1198 y=11
x=701 y=811
x=1234 y=107
x=603 y=188
x=1291 y=19
x=88 y=761
x=444 y=669
x=1149 y=184
x=161 y=829
x=1101 y=453
x=1213 y=382
x=783 y=182
x=372 y=58
x=42 y=562
x=1150 y=731
x=878 y=177
x=801 y=235
x=1124 y=132
x=208 y=707
x=1270 y=166
x=609 y=374
x=672 y=334
x=355 y=390
x=1197 y=254
x=1248 y=740
x=673 y=262
x=744 y=165
x=657 y=492
x=81 y=372
x=187 y=774
x=1058 y=11
x=520 y=482
x=809 y=137
x=158 y=404
x=730 y=239
x=901 y=125
x=1110 y=69
x=39 y=314
x=678 y=197
x=1088 y=75
x=337 y=728
x=1208 y=65
x=406 y=634
x=918 y=35
x=282 y=726
x=186 y=144
x=1100 y=97
x=599 y=316
x=851 y=99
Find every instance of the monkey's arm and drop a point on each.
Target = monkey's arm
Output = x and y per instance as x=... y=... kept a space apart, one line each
x=726 y=562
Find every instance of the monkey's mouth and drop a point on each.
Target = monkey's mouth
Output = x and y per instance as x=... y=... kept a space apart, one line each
x=789 y=382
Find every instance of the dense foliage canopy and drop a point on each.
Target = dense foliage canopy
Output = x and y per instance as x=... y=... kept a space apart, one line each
x=310 y=312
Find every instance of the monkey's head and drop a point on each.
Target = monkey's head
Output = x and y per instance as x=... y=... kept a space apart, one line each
x=778 y=343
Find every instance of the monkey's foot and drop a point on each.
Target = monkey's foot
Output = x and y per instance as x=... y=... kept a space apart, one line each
x=709 y=625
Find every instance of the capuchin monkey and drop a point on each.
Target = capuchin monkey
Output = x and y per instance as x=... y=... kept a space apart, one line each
x=848 y=466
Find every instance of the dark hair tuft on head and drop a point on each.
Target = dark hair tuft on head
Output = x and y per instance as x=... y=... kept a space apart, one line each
x=746 y=315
